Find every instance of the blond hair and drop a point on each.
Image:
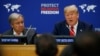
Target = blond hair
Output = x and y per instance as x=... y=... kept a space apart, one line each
x=71 y=8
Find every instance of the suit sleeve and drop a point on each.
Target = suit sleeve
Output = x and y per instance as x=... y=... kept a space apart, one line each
x=30 y=36
x=91 y=28
x=55 y=30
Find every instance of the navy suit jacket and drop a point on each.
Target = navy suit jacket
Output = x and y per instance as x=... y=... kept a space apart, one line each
x=30 y=34
x=61 y=29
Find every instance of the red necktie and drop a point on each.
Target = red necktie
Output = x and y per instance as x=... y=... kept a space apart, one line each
x=72 y=33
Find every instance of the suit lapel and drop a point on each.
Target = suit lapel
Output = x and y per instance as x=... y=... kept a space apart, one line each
x=11 y=32
x=79 y=28
x=66 y=30
x=24 y=32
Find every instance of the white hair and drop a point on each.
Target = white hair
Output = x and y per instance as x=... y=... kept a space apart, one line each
x=14 y=16
x=70 y=8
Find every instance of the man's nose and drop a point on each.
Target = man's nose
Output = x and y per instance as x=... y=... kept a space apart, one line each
x=70 y=16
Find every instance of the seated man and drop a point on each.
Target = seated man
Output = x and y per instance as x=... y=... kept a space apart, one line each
x=46 y=45
x=71 y=25
x=16 y=21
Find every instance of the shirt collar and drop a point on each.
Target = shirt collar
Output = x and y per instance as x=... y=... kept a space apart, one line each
x=75 y=26
x=14 y=33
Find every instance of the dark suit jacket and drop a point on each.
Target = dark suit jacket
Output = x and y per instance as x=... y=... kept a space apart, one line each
x=30 y=34
x=61 y=29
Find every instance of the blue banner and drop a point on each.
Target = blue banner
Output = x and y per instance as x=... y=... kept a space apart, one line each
x=43 y=14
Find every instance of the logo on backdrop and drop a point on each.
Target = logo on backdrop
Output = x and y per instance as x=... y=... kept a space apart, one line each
x=12 y=7
x=88 y=8
x=49 y=8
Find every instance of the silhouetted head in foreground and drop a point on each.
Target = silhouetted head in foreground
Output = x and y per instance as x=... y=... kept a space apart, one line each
x=46 y=45
x=87 y=44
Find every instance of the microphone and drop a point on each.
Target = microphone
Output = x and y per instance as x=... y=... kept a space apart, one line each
x=68 y=27
x=28 y=30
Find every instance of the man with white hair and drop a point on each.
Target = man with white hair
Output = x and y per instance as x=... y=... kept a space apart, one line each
x=71 y=25
x=16 y=21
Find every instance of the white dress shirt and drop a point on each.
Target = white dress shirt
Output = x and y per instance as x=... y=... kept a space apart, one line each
x=14 y=33
x=75 y=27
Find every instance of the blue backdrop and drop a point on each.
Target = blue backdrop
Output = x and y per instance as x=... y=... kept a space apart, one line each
x=43 y=14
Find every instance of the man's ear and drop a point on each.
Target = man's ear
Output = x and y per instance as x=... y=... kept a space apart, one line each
x=78 y=15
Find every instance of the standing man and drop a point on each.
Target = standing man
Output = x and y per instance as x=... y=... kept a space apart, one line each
x=16 y=21
x=71 y=25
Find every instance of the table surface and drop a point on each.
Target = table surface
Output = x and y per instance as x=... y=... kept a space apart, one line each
x=23 y=50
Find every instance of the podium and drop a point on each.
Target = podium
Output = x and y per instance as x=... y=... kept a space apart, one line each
x=17 y=46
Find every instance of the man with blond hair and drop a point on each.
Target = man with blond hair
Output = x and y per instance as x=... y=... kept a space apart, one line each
x=71 y=25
